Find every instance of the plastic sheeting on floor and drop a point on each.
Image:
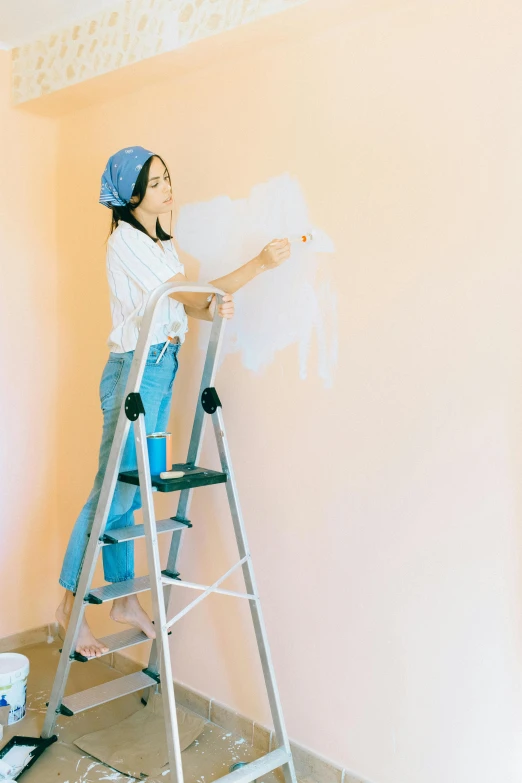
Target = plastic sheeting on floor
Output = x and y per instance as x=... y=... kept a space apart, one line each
x=138 y=745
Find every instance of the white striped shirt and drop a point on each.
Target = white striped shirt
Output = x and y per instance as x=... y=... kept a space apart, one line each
x=136 y=265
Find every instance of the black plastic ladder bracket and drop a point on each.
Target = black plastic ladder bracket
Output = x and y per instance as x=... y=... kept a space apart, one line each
x=150 y=673
x=186 y=522
x=106 y=539
x=210 y=400
x=76 y=656
x=171 y=574
x=134 y=406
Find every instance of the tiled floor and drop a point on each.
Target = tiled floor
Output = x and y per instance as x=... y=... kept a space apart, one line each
x=205 y=760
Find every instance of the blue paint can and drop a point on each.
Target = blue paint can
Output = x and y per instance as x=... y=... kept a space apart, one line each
x=160 y=454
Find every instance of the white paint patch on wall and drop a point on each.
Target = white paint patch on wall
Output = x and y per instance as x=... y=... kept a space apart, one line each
x=282 y=306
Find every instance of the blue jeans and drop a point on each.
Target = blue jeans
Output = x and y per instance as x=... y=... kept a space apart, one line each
x=156 y=393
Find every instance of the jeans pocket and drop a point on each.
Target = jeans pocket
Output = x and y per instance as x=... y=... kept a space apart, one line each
x=152 y=358
x=110 y=377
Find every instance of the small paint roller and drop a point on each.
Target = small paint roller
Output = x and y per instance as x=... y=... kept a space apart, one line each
x=301 y=237
x=5 y=770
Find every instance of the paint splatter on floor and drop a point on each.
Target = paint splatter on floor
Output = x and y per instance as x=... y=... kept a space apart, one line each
x=207 y=759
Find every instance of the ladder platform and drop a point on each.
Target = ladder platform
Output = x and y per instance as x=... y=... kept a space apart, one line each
x=100 y=694
x=194 y=477
x=133 y=532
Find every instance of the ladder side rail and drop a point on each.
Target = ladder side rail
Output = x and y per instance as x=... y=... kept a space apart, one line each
x=198 y=431
x=143 y=344
x=194 y=451
x=107 y=492
x=198 y=428
x=156 y=586
x=195 y=445
x=251 y=586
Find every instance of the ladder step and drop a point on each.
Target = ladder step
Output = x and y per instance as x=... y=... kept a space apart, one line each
x=123 y=639
x=194 y=477
x=118 y=590
x=115 y=642
x=257 y=768
x=132 y=532
x=100 y=694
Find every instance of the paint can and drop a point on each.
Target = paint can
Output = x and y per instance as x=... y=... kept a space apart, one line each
x=14 y=670
x=159 y=447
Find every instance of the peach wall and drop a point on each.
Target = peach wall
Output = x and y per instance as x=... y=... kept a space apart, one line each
x=28 y=393
x=384 y=514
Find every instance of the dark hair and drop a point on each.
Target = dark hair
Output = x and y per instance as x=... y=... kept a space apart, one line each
x=140 y=188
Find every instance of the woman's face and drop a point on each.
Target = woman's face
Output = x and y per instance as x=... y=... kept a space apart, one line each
x=158 y=196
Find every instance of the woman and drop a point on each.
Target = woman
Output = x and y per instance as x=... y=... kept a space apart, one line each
x=140 y=257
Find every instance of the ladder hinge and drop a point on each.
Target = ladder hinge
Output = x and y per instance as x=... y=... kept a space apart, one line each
x=150 y=673
x=134 y=406
x=210 y=400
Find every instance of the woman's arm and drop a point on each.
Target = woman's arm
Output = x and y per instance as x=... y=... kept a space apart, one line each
x=226 y=309
x=272 y=255
x=201 y=315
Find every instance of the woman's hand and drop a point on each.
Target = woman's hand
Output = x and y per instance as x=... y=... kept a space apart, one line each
x=274 y=254
x=225 y=309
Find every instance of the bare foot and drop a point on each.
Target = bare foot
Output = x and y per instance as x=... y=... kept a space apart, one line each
x=128 y=610
x=86 y=643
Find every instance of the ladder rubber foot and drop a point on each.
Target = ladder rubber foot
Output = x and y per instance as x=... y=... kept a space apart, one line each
x=257 y=768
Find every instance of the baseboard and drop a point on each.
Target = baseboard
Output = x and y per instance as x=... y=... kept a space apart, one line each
x=26 y=638
x=309 y=765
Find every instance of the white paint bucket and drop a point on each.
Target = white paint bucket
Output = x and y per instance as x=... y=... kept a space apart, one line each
x=14 y=670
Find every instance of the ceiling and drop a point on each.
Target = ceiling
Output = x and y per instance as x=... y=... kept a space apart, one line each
x=24 y=20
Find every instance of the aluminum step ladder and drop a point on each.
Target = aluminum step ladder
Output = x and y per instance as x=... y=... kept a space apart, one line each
x=160 y=583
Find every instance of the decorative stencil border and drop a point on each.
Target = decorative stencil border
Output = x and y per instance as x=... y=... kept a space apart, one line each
x=129 y=32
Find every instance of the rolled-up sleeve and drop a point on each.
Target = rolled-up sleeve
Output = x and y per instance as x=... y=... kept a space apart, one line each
x=148 y=266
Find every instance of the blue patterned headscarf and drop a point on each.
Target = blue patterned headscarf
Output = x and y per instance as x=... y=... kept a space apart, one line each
x=120 y=175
